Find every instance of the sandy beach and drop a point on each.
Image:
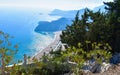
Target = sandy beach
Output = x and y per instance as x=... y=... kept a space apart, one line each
x=50 y=47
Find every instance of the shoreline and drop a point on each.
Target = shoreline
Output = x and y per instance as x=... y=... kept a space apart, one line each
x=48 y=48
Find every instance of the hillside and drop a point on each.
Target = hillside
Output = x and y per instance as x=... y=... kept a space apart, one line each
x=60 y=24
x=57 y=25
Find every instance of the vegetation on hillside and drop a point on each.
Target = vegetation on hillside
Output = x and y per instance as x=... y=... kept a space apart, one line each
x=95 y=27
x=60 y=62
x=113 y=13
x=95 y=36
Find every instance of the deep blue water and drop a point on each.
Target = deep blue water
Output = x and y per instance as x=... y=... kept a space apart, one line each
x=21 y=23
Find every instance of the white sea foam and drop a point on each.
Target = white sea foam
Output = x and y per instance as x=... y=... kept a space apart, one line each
x=40 y=41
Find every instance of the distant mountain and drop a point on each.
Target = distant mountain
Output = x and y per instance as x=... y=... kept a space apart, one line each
x=101 y=8
x=57 y=25
x=71 y=13
x=67 y=14
x=61 y=23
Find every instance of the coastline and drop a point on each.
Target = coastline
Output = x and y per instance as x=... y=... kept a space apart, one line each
x=48 y=48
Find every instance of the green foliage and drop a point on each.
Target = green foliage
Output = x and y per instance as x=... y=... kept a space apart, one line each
x=78 y=56
x=95 y=27
x=7 y=51
x=88 y=38
x=114 y=20
x=93 y=36
x=76 y=32
x=100 y=53
x=99 y=30
x=70 y=60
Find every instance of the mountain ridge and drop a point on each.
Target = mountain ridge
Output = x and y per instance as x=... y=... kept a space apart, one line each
x=61 y=23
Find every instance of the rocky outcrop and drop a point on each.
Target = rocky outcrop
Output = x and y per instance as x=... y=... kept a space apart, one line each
x=57 y=25
x=95 y=67
x=115 y=58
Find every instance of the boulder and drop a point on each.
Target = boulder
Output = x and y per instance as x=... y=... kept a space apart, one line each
x=115 y=58
x=94 y=67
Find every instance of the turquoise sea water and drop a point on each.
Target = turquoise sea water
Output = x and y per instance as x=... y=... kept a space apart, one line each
x=20 y=23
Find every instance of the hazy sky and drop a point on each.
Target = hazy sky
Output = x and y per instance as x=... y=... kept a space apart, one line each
x=52 y=4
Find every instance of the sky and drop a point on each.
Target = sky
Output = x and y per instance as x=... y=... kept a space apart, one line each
x=53 y=4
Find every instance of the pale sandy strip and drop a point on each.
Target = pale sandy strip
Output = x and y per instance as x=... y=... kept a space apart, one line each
x=49 y=47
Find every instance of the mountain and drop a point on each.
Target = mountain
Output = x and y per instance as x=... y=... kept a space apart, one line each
x=57 y=25
x=67 y=14
x=71 y=13
x=101 y=8
x=60 y=24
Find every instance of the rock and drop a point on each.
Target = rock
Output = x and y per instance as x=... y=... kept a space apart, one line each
x=115 y=58
x=105 y=67
x=89 y=64
x=95 y=69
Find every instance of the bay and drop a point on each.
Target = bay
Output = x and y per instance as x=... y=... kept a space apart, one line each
x=20 y=23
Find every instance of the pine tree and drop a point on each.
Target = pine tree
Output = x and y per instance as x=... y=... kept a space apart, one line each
x=114 y=20
x=99 y=29
x=75 y=32
x=6 y=51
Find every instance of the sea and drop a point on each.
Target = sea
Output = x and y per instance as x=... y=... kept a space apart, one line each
x=20 y=23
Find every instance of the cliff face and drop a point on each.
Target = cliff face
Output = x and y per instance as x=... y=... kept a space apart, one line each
x=57 y=25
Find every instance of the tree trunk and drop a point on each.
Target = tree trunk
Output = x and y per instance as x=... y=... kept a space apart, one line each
x=3 y=65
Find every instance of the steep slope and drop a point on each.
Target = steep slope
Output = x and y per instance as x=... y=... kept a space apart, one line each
x=53 y=26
